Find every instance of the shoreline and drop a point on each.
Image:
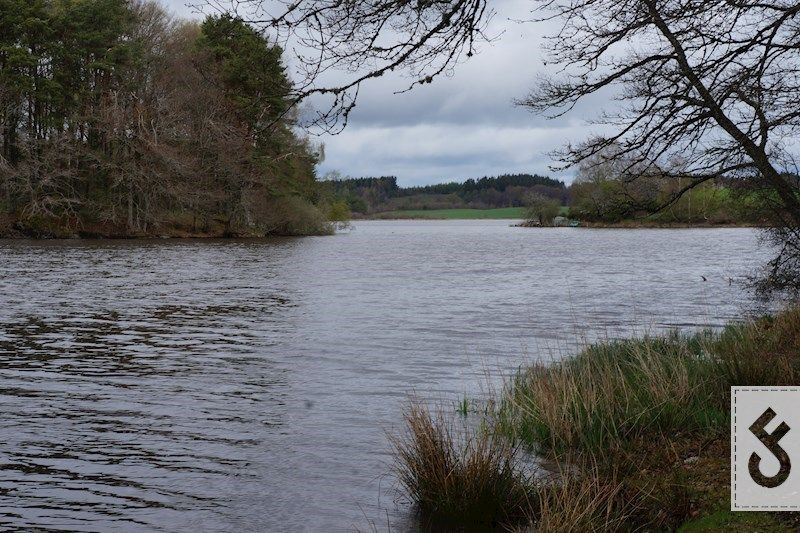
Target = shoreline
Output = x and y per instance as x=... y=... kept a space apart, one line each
x=155 y=236
x=13 y=230
x=584 y=225
x=378 y=219
x=637 y=433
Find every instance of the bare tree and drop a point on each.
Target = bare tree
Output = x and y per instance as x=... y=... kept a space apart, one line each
x=541 y=210
x=365 y=40
x=712 y=82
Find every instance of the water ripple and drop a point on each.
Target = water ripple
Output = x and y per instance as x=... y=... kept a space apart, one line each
x=249 y=385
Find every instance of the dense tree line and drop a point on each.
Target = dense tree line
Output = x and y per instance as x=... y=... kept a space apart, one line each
x=116 y=119
x=499 y=183
x=614 y=200
x=364 y=195
x=370 y=195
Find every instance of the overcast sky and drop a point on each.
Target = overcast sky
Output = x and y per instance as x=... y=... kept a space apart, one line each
x=461 y=126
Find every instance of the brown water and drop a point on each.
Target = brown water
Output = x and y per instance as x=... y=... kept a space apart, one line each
x=248 y=385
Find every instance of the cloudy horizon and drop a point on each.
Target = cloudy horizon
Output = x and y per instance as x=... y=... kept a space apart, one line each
x=461 y=126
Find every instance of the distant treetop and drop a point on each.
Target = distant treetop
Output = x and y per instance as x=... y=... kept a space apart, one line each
x=499 y=183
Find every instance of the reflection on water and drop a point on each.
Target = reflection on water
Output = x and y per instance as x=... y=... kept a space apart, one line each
x=249 y=384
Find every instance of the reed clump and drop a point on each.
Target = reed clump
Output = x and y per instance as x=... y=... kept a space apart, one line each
x=590 y=497
x=463 y=477
x=761 y=352
x=614 y=392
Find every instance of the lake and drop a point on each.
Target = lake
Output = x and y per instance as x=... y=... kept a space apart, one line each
x=249 y=384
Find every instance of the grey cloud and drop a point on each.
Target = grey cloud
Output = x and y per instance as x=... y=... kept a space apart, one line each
x=461 y=126
x=465 y=125
x=432 y=153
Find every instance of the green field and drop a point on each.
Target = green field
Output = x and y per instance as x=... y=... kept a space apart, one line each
x=504 y=212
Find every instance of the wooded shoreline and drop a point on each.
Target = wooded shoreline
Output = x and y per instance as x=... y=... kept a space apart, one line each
x=625 y=224
x=120 y=120
x=16 y=229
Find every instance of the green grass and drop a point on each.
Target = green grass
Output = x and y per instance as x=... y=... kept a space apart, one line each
x=647 y=404
x=616 y=392
x=462 y=407
x=514 y=213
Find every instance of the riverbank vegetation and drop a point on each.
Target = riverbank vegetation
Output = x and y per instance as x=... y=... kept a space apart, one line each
x=602 y=195
x=633 y=434
x=117 y=119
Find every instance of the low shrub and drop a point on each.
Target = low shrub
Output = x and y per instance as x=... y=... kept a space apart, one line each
x=466 y=478
x=291 y=215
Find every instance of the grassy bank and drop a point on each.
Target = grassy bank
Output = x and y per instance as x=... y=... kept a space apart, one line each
x=636 y=433
x=513 y=213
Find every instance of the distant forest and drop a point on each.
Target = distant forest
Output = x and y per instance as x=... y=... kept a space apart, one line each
x=374 y=195
x=118 y=120
x=596 y=196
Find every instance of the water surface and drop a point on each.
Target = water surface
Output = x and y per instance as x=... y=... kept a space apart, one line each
x=249 y=385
